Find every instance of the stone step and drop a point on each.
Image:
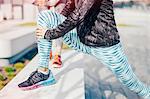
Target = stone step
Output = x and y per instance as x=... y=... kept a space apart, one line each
x=15 y=41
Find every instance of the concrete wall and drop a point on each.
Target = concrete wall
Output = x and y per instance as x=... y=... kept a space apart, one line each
x=30 y=12
x=1 y=1
x=6 y=9
x=7 y=1
x=1 y=16
x=9 y=12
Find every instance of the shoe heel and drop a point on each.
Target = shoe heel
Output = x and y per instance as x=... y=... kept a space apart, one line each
x=49 y=82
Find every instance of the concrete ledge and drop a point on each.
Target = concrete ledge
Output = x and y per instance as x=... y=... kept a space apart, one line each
x=70 y=83
x=15 y=41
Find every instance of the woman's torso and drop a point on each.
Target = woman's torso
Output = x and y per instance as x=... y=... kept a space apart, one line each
x=98 y=29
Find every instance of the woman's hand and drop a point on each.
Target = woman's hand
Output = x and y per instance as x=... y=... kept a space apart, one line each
x=40 y=32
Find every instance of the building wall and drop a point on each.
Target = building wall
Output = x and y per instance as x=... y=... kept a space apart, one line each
x=7 y=1
x=27 y=11
x=19 y=2
x=146 y=1
x=1 y=1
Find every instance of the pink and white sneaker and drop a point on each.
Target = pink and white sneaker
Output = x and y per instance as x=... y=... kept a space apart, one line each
x=56 y=62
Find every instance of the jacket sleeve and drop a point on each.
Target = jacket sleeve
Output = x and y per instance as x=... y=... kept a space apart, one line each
x=69 y=7
x=71 y=22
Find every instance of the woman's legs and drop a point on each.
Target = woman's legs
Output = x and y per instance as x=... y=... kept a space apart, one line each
x=56 y=53
x=73 y=41
x=42 y=76
x=57 y=46
x=47 y=19
x=115 y=59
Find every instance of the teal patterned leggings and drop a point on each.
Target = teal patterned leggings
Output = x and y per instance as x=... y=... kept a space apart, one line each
x=113 y=57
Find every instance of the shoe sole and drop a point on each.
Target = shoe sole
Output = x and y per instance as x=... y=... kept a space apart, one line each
x=40 y=84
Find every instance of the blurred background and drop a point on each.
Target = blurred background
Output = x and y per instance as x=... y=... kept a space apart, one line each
x=18 y=43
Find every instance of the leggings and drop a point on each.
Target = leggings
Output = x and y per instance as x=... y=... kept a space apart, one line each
x=113 y=57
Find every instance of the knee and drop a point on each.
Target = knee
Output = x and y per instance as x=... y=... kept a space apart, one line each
x=48 y=14
x=48 y=18
x=43 y=42
x=44 y=12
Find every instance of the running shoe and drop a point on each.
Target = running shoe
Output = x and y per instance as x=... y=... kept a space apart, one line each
x=36 y=80
x=56 y=62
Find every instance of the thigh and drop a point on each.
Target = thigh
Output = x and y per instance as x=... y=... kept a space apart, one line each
x=113 y=57
x=73 y=41
x=49 y=19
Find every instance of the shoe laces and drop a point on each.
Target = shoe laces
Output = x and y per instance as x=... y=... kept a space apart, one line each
x=35 y=77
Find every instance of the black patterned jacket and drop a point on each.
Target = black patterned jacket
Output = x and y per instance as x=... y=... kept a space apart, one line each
x=94 y=20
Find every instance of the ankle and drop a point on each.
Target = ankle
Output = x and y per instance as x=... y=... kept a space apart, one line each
x=43 y=70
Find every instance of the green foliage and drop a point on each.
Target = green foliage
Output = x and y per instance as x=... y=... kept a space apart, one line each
x=9 y=69
x=4 y=83
x=19 y=65
x=1 y=85
x=11 y=74
x=2 y=77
